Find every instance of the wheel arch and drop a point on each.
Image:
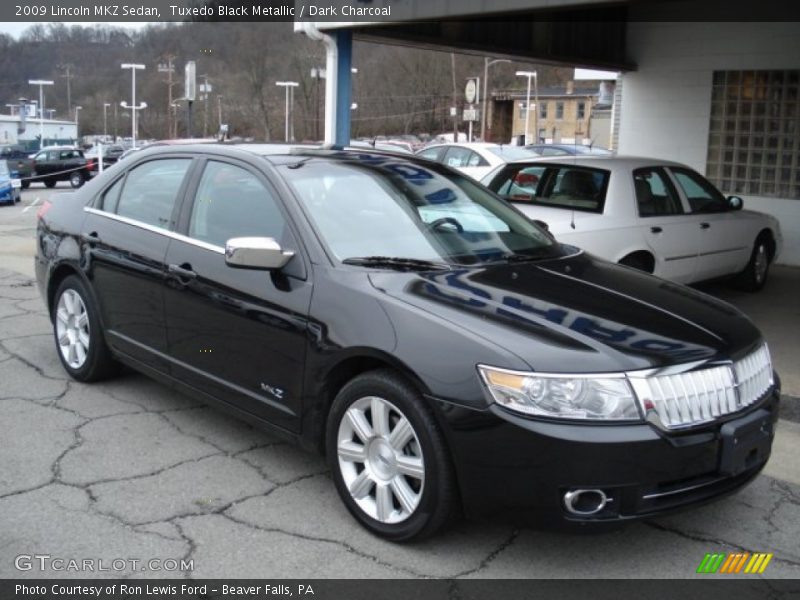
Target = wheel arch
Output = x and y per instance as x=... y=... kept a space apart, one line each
x=331 y=378
x=643 y=254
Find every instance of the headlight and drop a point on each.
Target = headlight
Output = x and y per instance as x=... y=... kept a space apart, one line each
x=605 y=397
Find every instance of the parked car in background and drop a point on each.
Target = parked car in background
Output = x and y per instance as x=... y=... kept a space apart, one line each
x=9 y=184
x=658 y=216
x=567 y=150
x=111 y=154
x=17 y=158
x=446 y=354
x=475 y=159
x=61 y=164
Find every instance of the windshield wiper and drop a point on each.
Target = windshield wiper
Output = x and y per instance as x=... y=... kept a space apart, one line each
x=396 y=262
x=541 y=254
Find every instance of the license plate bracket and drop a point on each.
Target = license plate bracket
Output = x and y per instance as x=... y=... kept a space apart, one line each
x=745 y=442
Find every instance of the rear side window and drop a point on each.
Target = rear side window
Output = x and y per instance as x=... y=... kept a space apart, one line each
x=560 y=186
x=518 y=184
x=232 y=202
x=655 y=194
x=151 y=189
x=457 y=157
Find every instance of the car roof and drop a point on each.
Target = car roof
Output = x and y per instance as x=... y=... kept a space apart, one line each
x=279 y=153
x=602 y=161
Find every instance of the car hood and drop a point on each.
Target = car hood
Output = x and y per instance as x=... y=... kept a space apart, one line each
x=578 y=314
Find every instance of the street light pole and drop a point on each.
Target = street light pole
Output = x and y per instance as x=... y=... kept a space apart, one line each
x=530 y=75
x=133 y=106
x=289 y=86
x=77 y=127
x=105 y=119
x=41 y=83
x=486 y=64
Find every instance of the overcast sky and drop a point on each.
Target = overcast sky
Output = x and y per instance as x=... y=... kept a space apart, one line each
x=15 y=29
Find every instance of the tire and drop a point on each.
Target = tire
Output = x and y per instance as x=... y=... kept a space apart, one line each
x=79 y=338
x=754 y=276
x=25 y=184
x=76 y=179
x=637 y=261
x=397 y=503
x=51 y=183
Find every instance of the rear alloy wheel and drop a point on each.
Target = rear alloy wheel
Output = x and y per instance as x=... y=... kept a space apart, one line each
x=76 y=179
x=754 y=275
x=389 y=458
x=78 y=334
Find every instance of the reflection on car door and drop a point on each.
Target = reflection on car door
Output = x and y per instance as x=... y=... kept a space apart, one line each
x=238 y=334
x=724 y=240
x=671 y=233
x=127 y=233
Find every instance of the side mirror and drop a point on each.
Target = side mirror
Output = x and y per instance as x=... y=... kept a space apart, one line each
x=735 y=203
x=262 y=253
x=542 y=224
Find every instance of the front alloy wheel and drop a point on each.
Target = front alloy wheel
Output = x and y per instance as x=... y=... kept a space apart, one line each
x=380 y=460
x=389 y=458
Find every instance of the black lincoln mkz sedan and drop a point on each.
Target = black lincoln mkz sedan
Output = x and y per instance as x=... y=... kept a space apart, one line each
x=445 y=353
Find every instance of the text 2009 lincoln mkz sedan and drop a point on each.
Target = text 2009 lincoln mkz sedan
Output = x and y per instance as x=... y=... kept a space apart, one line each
x=444 y=352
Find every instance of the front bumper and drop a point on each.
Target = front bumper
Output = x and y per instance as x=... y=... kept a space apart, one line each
x=519 y=469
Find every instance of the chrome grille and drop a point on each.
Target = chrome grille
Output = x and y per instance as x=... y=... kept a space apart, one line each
x=693 y=397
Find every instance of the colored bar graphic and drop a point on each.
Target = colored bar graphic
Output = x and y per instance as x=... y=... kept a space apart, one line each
x=735 y=562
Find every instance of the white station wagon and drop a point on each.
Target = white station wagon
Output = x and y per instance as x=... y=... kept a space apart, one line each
x=658 y=216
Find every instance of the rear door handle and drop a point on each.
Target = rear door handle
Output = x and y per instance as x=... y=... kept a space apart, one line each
x=183 y=271
x=705 y=225
x=656 y=229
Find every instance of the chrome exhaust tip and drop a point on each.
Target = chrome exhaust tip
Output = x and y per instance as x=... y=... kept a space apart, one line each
x=585 y=502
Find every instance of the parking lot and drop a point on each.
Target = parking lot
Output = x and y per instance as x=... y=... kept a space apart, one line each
x=129 y=469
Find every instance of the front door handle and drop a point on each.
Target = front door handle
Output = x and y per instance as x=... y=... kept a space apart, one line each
x=183 y=271
x=705 y=225
x=656 y=229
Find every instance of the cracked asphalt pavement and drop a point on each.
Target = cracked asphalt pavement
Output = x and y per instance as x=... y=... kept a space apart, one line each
x=131 y=469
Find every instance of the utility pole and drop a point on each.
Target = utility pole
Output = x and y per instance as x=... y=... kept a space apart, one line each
x=455 y=98
x=317 y=73
x=205 y=92
x=68 y=76
x=168 y=68
x=219 y=111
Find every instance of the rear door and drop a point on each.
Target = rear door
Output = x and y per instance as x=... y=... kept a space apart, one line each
x=671 y=233
x=128 y=231
x=238 y=334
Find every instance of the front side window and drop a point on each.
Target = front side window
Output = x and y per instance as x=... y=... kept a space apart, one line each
x=151 y=190
x=655 y=194
x=232 y=202
x=702 y=196
x=370 y=207
x=519 y=184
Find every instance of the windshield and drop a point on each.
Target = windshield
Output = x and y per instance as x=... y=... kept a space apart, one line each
x=509 y=153
x=378 y=206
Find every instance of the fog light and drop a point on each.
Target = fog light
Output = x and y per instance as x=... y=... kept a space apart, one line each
x=585 y=502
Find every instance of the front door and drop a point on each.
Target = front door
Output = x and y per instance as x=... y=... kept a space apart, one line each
x=238 y=334
x=723 y=244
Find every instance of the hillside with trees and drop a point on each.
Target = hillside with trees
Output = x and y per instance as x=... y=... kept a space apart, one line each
x=397 y=89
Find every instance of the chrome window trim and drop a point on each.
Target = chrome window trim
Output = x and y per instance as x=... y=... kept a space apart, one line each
x=153 y=229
